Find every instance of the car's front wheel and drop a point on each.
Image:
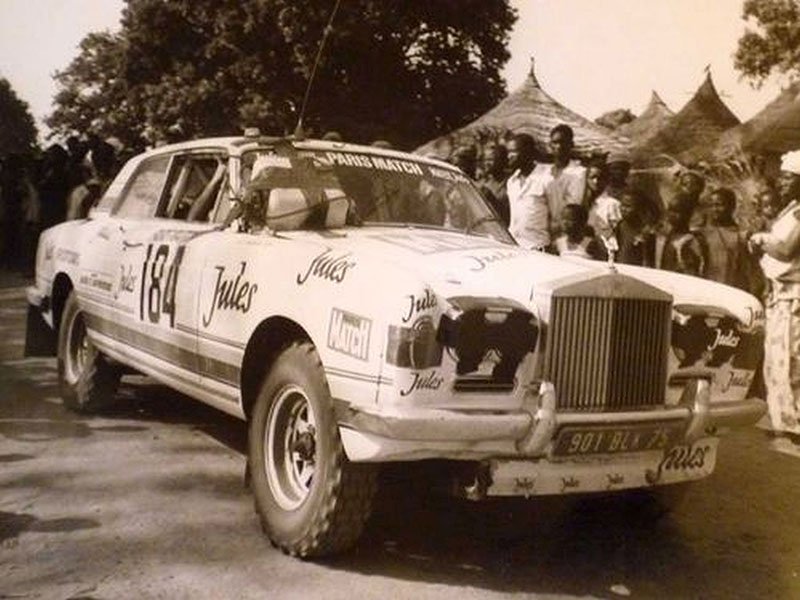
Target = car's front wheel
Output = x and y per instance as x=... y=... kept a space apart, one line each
x=311 y=500
x=86 y=380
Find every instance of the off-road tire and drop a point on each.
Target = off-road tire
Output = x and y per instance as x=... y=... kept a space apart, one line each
x=86 y=380
x=325 y=515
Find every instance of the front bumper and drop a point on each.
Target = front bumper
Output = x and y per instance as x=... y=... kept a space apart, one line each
x=420 y=433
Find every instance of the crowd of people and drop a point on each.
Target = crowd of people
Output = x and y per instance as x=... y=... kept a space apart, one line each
x=39 y=191
x=554 y=203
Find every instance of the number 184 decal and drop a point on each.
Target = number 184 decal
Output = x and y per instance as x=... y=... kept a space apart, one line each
x=157 y=295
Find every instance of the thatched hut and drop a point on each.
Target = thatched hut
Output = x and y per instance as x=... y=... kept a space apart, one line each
x=529 y=109
x=649 y=123
x=772 y=131
x=691 y=134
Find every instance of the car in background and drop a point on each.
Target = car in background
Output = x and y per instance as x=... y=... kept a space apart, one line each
x=360 y=306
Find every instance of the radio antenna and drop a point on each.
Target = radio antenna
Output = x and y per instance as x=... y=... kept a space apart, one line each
x=298 y=131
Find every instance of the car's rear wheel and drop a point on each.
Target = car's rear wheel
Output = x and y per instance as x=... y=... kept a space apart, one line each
x=311 y=500
x=86 y=380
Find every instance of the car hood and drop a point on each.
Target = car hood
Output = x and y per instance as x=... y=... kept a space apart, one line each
x=454 y=264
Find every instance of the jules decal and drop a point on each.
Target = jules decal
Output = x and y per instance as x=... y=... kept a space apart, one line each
x=429 y=381
x=349 y=334
x=726 y=339
x=479 y=262
x=327 y=266
x=231 y=293
x=569 y=483
x=680 y=458
x=729 y=379
x=524 y=485
x=418 y=304
x=614 y=479
x=127 y=279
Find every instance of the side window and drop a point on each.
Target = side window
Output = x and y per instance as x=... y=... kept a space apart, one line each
x=114 y=190
x=141 y=195
x=194 y=185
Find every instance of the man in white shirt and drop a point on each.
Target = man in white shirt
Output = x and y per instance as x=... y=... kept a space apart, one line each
x=529 y=213
x=567 y=183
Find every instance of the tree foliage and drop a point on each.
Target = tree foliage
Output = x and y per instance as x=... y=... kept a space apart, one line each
x=17 y=127
x=406 y=71
x=774 y=44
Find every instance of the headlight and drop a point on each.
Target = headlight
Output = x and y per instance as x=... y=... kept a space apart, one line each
x=481 y=327
x=414 y=347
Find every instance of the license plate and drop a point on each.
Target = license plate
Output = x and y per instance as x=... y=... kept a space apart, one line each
x=617 y=439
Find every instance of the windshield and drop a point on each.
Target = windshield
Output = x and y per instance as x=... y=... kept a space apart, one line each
x=378 y=190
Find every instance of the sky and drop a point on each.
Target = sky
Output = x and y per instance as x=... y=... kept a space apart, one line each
x=591 y=55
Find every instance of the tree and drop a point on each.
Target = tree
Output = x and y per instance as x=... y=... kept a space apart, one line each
x=406 y=71
x=775 y=43
x=17 y=127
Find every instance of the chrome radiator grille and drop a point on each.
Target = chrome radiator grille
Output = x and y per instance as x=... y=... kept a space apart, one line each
x=608 y=354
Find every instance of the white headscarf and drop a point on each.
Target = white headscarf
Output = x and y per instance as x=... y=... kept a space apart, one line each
x=790 y=162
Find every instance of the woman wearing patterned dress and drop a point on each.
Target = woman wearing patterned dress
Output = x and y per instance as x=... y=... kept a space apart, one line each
x=781 y=264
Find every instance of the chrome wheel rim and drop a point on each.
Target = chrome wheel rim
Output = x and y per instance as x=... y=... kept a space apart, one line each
x=290 y=447
x=78 y=350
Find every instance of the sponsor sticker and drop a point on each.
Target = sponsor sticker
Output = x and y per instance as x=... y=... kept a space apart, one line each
x=127 y=279
x=418 y=304
x=694 y=460
x=231 y=293
x=423 y=381
x=328 y=266
x=349 y=334
x=379 y=163
x=478 y=262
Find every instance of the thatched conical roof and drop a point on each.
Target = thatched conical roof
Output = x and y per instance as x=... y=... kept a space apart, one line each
x=694 y=131
x=529 y=109
x=649 y=123
x=773 y=130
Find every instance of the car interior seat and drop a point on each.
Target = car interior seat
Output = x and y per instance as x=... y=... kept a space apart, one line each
x=286 y=210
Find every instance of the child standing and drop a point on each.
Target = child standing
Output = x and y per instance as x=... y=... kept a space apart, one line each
x=634 y=235
x=577 y=239
x=677 y=248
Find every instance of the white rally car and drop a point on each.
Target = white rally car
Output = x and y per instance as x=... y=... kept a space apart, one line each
x=359 y=306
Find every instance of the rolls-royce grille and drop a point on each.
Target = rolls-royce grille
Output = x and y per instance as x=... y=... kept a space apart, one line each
x=608 y=354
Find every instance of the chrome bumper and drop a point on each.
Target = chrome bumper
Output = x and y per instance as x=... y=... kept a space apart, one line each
x=405 y=433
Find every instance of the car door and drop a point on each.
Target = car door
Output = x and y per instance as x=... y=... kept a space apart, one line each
x=161 y=265
x=110 y=281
